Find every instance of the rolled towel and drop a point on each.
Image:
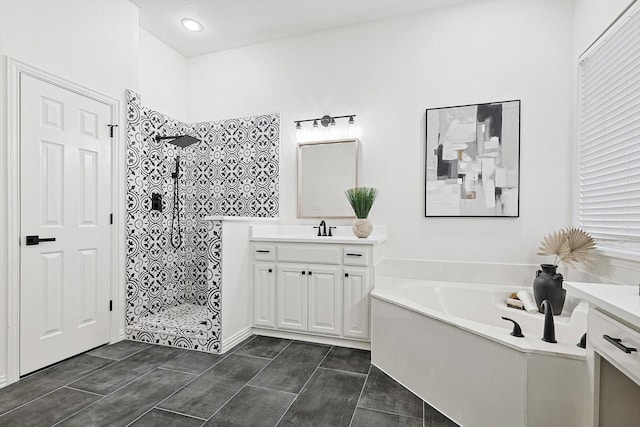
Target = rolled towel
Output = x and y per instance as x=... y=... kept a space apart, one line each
x=529 y=303
x=515 y=303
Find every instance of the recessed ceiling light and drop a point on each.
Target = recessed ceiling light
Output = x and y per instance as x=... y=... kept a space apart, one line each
x=191 y=24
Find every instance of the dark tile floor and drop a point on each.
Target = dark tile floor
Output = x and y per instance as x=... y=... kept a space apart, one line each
x=262 y=382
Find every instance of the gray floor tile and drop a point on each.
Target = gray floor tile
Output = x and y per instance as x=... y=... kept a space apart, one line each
x=49 y=409
x=195 y=362
x=256 y=407
x=211 y=390
x=292 y=368
x=348 y=359
x=328 y=399
x=382 y=393
x=127 y=370
x=133 y=400
x=433 y=418
x=47 y=380
x=370 y=418
x=268 y=347
x=119 y=350
x=157 y=417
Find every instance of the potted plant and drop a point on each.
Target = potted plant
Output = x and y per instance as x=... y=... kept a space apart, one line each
x=569 y=245
x=361 y=200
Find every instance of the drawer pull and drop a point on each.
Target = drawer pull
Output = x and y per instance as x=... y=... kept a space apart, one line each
x=618 y=343
x=260 y=251
x=348 y=254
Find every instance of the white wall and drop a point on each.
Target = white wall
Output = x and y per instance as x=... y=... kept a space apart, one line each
x=591 y=18
x=92 y=43
x=163 y=77
x=388 y=72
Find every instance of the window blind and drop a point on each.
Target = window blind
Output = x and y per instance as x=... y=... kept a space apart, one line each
x=609 y=136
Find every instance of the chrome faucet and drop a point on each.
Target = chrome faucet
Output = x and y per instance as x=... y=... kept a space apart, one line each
x=549 y=333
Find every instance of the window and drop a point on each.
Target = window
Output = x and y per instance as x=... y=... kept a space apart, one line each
x=609 y=136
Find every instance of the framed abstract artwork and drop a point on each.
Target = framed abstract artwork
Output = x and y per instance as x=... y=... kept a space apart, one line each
x=472 y=165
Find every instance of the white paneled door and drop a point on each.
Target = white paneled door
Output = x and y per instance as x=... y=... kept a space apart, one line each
x=65 y=203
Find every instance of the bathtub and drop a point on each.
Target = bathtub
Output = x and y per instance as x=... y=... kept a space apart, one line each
x=447 y=343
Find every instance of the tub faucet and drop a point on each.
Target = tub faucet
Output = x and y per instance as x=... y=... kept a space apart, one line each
x=549 y=333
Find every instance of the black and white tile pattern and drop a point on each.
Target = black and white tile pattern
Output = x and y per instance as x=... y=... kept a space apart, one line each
x=233 y=171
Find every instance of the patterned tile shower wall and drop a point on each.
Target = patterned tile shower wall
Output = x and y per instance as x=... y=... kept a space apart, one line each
x=173 y=295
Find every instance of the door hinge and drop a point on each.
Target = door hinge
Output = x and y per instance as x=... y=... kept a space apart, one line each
x=110 y=305
x=111 y=130
x=110 y=218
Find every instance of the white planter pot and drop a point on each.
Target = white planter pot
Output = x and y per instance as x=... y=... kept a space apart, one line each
x=362 y=227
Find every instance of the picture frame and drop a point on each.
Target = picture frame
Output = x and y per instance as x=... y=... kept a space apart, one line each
x=472 y=160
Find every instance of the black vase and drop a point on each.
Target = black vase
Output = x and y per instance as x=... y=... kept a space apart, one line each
x=548 y=286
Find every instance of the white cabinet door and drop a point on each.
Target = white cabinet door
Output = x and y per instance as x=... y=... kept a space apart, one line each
x=264 y=295
x=291 y=295
x=325 y=300
x=356 y=303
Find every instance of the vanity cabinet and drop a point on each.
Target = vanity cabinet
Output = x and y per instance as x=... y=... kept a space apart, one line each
x=309 y=298
x=313 y=288
x=264 y=294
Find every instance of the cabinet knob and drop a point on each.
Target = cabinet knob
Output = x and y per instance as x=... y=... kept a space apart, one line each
x=310 y=273
x=304 y=272
x=346 y=274
x=270 y=270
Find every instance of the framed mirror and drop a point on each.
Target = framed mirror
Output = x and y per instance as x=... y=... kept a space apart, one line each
x=326 y=169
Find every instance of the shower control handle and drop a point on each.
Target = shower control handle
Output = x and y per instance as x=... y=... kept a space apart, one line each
x=34 y=240
x=517 y=331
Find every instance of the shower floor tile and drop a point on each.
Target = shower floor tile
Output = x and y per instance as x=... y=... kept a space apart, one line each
x=157 y=385
x=182 y=319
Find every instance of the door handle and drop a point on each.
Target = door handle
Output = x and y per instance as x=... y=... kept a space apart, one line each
x=34 y=240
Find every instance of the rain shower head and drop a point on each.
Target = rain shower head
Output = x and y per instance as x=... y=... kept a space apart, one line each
x=182 y=141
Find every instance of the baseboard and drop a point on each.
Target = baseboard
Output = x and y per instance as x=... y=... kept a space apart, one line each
x=122 y=335
x=3 y=381
x=318 y=339
x=235 y=339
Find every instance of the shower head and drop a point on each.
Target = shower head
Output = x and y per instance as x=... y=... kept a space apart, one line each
x=182 y=141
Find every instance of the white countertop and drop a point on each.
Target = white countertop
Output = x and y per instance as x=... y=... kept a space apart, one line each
x=622 y=301
x=240 y=218
x=307 y=234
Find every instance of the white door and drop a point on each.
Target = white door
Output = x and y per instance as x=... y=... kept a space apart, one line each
x=356 y=302
x=325 y=300
x=291 y=293
x=65 y=167
x=264 y=295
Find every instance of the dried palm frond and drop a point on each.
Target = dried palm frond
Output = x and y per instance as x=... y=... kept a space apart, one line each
x=555 y=244
x=580 y=245
x=570 y=245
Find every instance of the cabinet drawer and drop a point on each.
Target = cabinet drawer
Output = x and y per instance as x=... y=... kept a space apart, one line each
x=309 y=254
x=601 y=325
x=358 y=256
x=264 y=253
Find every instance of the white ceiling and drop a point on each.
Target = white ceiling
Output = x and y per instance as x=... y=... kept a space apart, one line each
x=234 y=23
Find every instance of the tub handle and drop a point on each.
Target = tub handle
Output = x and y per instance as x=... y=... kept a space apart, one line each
x=517 y=331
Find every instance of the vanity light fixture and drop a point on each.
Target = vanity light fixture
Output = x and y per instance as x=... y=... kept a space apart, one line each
x=191 y=24
x=325 y=121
